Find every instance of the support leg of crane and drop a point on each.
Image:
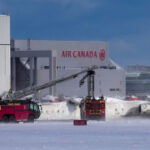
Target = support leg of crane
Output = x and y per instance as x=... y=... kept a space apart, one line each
x=80 y=122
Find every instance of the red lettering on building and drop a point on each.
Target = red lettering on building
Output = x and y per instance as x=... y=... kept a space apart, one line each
x=63 y=54
x=95 y=54
x=84 y=54
x=79 y=54
x=102 y=54
x=74 y=54
x=87 y=54
x=69 y=53
x=91 y=54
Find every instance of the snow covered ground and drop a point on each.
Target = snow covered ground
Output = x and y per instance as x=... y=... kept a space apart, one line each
x=125 y=134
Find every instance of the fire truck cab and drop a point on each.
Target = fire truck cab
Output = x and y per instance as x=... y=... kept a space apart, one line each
x=19 y=110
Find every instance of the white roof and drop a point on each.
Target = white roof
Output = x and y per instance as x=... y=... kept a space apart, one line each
x=115 y=64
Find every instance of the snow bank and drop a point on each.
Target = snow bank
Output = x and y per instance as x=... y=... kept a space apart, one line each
x=59 y=111
x=115 y=108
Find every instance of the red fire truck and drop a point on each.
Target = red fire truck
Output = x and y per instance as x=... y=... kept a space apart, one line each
x=91 y=108
x=19 y=110
x=95 y=109
x=28 y=111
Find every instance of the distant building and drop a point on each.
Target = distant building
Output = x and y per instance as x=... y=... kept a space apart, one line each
x=138 y=80
x=68 y=57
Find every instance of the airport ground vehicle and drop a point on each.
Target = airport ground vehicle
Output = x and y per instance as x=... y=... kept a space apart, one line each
x=95 y=109
x=19 y=110
x=90 y=107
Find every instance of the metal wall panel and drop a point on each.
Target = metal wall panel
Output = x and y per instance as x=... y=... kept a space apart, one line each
x=4 y=68
x=107 y=82
x=4 y=29
x=4 y=53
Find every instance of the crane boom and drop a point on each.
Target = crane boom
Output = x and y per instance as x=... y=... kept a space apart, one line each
x=34 y=89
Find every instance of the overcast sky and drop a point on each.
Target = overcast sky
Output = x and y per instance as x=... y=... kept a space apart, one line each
x=125 y=24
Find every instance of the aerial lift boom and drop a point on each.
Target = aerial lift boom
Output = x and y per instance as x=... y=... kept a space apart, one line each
x=32 y=90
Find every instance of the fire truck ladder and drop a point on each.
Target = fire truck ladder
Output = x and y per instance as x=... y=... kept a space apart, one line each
x=90 y=75
x=90 y=81
x=28 y=91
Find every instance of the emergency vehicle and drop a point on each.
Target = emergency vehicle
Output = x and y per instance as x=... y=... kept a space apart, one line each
x=95 y=109
x=92 y=108
x=28 y=111
x=19 y=110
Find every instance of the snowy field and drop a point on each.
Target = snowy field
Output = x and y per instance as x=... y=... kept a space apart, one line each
x=125 y=134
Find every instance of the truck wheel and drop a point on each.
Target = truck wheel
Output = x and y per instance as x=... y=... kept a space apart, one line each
x=5 y=119
x=11 y=118
x=31 y=118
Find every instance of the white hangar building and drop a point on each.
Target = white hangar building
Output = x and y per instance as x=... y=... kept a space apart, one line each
x=38 y=61
x=68 y=57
